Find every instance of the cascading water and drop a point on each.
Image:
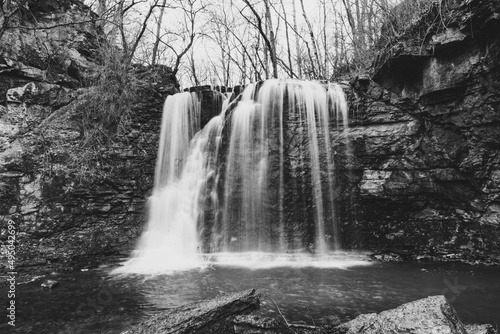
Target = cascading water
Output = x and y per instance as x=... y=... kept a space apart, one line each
x=260 y=177
x=265 y=144
x=170 y=241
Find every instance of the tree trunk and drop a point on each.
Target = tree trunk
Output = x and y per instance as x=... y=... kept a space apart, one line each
x=193 y=68
x=325 y=43
x=288 y=47
x=101 y=12
x=267 y=50
x=297 y=47
x=272 y=39
x=158 y=32
x=313 y=40
x=268 y=44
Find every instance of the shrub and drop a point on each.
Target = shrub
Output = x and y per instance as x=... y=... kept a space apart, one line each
x=102 y=113
x=104 y=110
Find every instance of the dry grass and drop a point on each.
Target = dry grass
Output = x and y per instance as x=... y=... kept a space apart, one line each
x=101 y=114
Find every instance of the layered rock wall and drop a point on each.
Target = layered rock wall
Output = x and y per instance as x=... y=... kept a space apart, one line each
x=68 y=201
x=426 y=138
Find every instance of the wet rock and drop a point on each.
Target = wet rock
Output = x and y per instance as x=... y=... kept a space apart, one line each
x=427 y=183
x=480 y=329
x=388 y=257
x=429 y=315
x=251 y=324
x=211 y=103
x=41 y=93
x=373 y=181
x=357 y=325
x=49 y=284
x=450 y=35
x=209 y=316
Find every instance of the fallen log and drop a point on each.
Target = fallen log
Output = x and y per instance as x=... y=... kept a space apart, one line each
x=213 y=316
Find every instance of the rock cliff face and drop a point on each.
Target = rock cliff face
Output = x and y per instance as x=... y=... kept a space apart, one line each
x=426 y=138
x=60 y=215
x=46 y=41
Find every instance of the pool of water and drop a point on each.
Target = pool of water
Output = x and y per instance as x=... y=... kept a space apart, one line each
x=94 y=301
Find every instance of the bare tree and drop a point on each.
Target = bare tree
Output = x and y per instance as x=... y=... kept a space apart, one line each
x=269 y=41
x=186 y=33
x=138 y=37
x=242 y=41
x=297 y=47
x=287 y=35
x=313 y=40
x=159 y=23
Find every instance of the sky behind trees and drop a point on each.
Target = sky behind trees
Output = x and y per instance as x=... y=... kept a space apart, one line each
x=229 y=42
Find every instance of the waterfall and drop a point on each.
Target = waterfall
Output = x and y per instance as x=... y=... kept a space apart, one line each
x=254 y=211
x=171 y=240
x=180 y=121
x=260 y=177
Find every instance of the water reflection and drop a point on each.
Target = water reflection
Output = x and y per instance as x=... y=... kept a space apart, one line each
x=304 y=294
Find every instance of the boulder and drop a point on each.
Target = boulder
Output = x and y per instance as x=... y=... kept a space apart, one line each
x=49 y=284
x=211 y=316
x=252 y=324
x=480 y=329
x=430 y=315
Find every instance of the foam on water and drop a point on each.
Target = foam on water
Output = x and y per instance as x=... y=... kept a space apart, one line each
x=262 y=260
x=248 y=260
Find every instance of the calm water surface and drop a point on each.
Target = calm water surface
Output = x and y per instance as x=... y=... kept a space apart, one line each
x=95 y=302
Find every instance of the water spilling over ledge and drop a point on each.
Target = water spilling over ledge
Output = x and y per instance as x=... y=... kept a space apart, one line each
x=257 y=179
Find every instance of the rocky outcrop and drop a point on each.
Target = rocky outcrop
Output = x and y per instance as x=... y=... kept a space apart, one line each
x=423 y=176
x=208 y=316
x=231 y=313
x=69 y=200
x=211 y=100
x=429 y=315
x=46 y=41
x=65 y=211
x=251 y=324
